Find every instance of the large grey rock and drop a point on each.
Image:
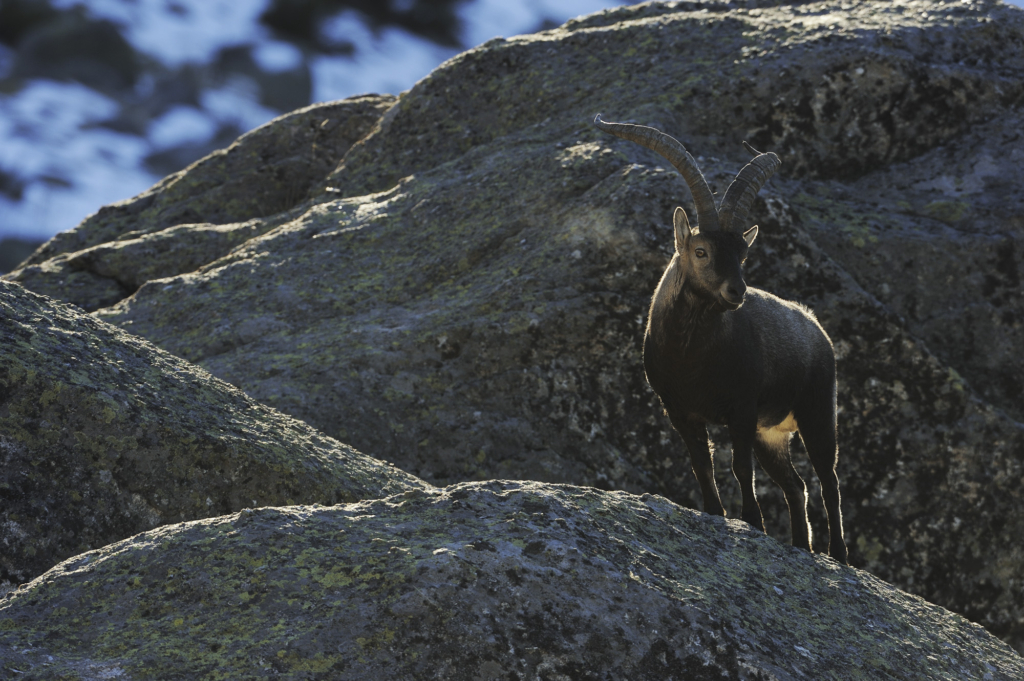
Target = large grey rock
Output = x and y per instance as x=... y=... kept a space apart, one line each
x=103 y=435
x=498 y=580
x=938 y=241
x=464 y=294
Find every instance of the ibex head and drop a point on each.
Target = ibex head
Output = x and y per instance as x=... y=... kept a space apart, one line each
x=710 y=255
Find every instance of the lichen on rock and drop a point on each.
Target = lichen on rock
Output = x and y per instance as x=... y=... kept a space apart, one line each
x=481 y=580
x=103 y=435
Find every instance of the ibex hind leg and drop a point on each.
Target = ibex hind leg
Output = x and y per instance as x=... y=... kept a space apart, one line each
x=817 y=424
x=772 y=450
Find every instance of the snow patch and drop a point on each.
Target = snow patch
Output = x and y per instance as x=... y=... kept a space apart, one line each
x=274 y=56
x=389 y=61
x=70 y=167
x=235 y=103
x=180 y=125
x=181 y=31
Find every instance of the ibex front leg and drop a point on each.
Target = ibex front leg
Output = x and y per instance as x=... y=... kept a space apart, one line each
x=743 y=468
x=695 y=435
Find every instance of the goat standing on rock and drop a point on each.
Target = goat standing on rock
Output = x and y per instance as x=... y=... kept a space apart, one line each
x=718 y=352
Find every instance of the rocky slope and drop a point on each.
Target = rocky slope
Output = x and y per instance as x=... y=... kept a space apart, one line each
x=199 y=214
x=103 y=435
x=496 y=580
x=464 y=294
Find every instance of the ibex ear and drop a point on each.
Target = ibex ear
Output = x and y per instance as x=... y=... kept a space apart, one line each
x=681 y=226
x=750 y=235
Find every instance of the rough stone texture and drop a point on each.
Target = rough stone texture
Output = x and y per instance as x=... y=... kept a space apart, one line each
x=464 y=295
x=103 y=435
x=266 y=171
x=939 y=242
x=497 y=580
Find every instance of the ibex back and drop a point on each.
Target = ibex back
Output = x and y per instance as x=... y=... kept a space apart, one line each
x=718 y=352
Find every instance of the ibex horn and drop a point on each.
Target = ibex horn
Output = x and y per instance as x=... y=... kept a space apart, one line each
x=741 y=193
x=675 y=153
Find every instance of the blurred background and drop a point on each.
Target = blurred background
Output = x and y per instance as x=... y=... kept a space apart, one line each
x=99 y=99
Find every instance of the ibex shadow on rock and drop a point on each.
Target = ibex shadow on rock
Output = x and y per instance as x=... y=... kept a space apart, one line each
x=716 y=351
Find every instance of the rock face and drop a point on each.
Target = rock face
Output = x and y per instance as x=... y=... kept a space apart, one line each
x=497 y=580
x=102 y=435
x=464 y=294
x=199 y=214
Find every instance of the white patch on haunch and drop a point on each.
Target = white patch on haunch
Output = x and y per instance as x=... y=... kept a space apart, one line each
x=777 y=436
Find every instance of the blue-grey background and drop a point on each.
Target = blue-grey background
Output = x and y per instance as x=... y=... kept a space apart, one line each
x=101 y=98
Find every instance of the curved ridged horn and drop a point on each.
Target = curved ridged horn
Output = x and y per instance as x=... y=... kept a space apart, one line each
x=741 y=193
x=676 y=154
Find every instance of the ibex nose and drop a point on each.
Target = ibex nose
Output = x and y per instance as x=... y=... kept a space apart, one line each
x=733 y=292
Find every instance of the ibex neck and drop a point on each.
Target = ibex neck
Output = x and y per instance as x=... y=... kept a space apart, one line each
x=674 y=305
x=679 y=317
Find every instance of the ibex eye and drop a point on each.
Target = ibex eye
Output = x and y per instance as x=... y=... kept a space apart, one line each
x=701 y=253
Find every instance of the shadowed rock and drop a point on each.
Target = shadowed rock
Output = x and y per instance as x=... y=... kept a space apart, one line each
x=464 y=293
x=103 y=435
